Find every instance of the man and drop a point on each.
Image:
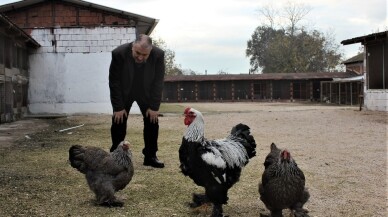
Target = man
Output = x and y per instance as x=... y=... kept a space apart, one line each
x=136 y=73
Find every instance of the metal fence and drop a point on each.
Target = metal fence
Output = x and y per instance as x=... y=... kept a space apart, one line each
x=342 y=93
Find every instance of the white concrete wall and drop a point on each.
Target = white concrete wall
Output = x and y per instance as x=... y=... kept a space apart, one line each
x=376 y=100
x=69 y=73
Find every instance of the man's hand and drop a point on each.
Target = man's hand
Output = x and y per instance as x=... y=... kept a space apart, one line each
x=153 y=115
x=119 y=116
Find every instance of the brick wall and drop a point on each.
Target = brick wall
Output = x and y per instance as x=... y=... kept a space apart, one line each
x=82 y=40
x=58 y=14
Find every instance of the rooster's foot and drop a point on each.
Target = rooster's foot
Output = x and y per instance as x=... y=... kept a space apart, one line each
x=198 y=200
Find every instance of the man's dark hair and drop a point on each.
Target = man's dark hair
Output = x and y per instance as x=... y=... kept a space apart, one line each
x=144 y=38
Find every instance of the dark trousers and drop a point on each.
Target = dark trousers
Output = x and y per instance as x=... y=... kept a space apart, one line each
x=150 y=133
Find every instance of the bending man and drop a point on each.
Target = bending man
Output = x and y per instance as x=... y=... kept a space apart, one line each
x=136 y=73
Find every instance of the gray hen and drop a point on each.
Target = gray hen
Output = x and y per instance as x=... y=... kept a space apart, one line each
x=106 y=173
x=283 y=184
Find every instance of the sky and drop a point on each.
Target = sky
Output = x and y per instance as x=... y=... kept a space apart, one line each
x=209 y=36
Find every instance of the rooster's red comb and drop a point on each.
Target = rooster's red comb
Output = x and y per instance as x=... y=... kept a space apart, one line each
x=187 y=110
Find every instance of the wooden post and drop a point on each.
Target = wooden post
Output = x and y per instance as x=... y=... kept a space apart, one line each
x=179 y=92
x=196 y=91
x=252 y=91
x=214 y=91
x=232 y=91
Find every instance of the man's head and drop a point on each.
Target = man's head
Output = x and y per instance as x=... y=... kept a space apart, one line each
x=141 y=48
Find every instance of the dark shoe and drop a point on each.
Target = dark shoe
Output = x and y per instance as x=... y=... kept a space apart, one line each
x=153 y=162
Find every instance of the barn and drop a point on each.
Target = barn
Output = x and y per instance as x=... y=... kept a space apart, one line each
x=376 y=83
x=247 y=87
x=15 y=45
x=355 y=63
x=68 y=72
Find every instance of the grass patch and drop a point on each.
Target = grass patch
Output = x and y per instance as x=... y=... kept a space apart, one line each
x=171 y=108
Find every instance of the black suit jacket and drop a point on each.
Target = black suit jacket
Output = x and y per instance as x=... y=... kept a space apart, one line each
x=121 y=75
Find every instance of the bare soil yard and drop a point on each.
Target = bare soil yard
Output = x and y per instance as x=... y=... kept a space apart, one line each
x=342 y=151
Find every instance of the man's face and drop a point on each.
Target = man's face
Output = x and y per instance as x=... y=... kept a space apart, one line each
x=140 y=54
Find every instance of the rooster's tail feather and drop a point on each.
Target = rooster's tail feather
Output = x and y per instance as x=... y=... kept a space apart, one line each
x=243 y=131
x=76 y=158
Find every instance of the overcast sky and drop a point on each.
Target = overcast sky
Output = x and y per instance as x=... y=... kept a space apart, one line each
x=212 y=35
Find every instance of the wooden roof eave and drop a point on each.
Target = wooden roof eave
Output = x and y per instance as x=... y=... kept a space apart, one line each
x=367 y=38
x=18 y=31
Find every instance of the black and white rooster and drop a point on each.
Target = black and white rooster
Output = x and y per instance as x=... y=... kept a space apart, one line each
x=214 y=164
x=283 y=184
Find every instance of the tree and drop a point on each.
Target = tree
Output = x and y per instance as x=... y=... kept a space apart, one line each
x=222 y=72
x=169 y=55
x=261 y=48
x=290 y=48
x=294 y=13
x=189 y=72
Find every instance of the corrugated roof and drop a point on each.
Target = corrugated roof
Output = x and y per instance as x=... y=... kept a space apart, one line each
x=356 y=78
x=358 y=58
x=144 y=24
x=268 y=76
x=26 y=37
x=366 y=38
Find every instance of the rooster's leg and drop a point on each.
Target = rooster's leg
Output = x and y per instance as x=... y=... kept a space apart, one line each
x=198 y=200
x=276 y=213
x=217 y=210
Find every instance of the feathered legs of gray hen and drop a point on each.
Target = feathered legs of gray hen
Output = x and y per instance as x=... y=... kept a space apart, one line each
x=112 y=203
x=105 y=194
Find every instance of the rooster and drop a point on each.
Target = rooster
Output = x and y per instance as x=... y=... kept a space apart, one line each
x=283 y=184
x=214 y=164
x=106 y=173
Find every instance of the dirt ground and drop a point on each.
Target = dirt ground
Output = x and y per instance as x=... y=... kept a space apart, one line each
x=9 y=132
x=342 y=151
